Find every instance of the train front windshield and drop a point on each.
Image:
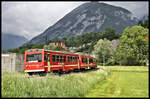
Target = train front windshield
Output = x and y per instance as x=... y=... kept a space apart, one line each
x=34 y=58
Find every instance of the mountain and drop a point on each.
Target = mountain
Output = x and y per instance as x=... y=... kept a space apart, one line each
x=144 y=17
x=88 y=17
x=10 y=41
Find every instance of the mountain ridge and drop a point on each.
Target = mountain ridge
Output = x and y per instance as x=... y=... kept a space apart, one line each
x=10 y=41
x=88 y=17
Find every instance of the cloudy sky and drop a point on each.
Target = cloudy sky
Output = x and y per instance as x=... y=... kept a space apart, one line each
x=30 y=19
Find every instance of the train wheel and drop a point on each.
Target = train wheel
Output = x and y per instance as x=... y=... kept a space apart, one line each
x=82 y=69
x=67 y=72
x=42 y=74
x=92 y=67
x=60 y=72
x=55 y=72
x=30 y=74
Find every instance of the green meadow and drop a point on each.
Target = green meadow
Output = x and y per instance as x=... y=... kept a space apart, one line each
x=108 y=81
x=123 y=82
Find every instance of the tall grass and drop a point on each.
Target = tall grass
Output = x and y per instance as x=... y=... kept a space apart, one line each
x=70 y=85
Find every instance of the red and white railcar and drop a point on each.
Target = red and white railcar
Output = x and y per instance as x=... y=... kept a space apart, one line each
x=40 y=60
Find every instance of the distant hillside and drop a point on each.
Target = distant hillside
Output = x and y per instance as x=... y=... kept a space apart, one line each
x=144 y=17
x=12 y=41
x=88 y=17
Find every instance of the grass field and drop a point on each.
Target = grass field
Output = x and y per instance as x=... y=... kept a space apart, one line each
x=68 y=85
x=123 y=82
x=112 y=81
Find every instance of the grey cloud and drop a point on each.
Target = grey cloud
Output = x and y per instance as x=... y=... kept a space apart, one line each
x=138 y=8
x=32 y=18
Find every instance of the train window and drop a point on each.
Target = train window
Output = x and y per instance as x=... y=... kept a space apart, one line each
x=53 y=58
x=34 y=58
x=64 y=58
x=70 y=58
x=90 y=60
x=45 y=57
x=57 y=58
x=84 y=60
x=73 y=60
x=61 y=59
x=48 y=57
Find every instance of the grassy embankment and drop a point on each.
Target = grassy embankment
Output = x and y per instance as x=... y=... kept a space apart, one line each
x=68 y=85
x=124 y=81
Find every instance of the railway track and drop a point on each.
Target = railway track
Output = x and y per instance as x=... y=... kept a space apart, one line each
x=62 y=74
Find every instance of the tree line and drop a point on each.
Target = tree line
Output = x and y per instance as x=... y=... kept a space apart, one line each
x=132 y=48
x=85 y=42
x=110 y=48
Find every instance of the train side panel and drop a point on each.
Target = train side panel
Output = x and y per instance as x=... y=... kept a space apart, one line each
x=32 y=65
x=53 y=61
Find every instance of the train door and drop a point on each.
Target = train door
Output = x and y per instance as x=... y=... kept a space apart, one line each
x=59 y=62
x=88 y=63
x=47 y=61
x=78 y=62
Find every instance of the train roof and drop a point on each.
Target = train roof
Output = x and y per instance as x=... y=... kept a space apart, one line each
x=32 y=50
x=65 y=52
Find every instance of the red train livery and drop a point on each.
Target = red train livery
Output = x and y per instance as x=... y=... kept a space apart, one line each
x=42 y=61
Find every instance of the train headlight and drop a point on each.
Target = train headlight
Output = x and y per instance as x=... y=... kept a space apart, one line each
x=26 y=66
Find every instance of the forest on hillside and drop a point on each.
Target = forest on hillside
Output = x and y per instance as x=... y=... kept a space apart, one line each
x=109 y=47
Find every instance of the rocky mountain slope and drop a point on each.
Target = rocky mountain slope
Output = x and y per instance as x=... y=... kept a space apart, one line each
x=88 y=17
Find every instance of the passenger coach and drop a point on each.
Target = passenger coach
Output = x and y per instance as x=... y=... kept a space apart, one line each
x=43 y=61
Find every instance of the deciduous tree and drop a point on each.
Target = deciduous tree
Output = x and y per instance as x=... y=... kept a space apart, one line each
x=133 y=48
x=102 y=50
